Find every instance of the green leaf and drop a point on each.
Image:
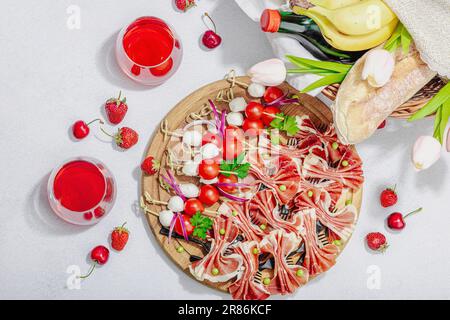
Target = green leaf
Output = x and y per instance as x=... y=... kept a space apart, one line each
x=400 y=37
x=437 y=125
x=444 y=115
x=432 y=106
x=277 y=123
x=325 y=81
x=290 y=125
x=235 y=167
x=314 y=64
x=201 y=225
x=240 y=158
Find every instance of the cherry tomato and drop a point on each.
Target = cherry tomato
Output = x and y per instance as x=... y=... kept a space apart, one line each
x=208 y=169
x=234 y=132
x=231 y=179
x=254 y=111
x=210 y=137
x=272 y=94
x=252 y=127
x=192 y=206
x=209 y=195
x=231 y=149
x=187 y=225
x=268 y=115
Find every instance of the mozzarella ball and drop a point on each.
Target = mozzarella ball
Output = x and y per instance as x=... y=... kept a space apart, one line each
x=189 y=190
x=209 y=151
x=212 y=128
x=256 y=90
x=176 y=204
x=190 y=168
x=235 y=119
x=192 y=138
x=165 y=218
x=238 y=104
x=212 y=181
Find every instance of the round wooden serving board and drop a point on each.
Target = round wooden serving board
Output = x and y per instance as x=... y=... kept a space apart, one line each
x=176 y=118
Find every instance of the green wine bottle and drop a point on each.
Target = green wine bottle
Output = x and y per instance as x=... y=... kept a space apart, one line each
x=307 y=33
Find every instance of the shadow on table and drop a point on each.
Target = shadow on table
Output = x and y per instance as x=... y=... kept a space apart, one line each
x=244 y=44
x=110 y=70
x=42 y=218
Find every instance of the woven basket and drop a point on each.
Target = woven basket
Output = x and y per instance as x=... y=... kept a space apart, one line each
x=408 y=108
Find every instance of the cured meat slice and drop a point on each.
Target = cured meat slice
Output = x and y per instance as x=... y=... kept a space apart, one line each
x=238 y=213
x=264 y=209
x=317 y=259
x=341 y=222
x=285 y=180
x=245 y=287
x=350 y=176
x=217 y=266
x=286 y=278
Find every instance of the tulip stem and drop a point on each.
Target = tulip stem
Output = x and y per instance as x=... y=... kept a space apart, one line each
x=413 y=212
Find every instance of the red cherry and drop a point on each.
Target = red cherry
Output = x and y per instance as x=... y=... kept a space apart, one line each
x=100 y=254
x=210 y=38
x=88 y=216
x=396 y=220
x=99 y=212
x=382 y=125
x=80 y=129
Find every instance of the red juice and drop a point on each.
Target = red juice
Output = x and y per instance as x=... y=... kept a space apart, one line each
x=148 y=41
x=79 y=186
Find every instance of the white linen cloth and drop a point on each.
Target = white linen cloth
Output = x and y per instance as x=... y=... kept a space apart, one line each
x=427 y=21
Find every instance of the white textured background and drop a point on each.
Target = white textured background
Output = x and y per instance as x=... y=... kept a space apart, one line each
x=51 y=76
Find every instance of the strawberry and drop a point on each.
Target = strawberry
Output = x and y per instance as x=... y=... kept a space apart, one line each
x=150 y=166
x=376 y=241
x=116 y=109
x=119 y=237
x=184 y=5
x=388 y=197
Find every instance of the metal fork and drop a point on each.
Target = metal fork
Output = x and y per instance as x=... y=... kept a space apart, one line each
x=322 y=127
x=258 y=277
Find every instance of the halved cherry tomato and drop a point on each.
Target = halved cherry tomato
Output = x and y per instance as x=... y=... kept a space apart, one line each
x=231 y=179
x=209 y=195
x=254 y=111
x=210 y=137
x=192 y=206
x=252 y=127
x=208 y=169
x=272 y=94
x=268 y=115
x=187 y=225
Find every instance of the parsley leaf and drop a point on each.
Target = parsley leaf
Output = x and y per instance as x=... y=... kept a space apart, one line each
x=285 y=123
x=236 y=167
x=201 y=225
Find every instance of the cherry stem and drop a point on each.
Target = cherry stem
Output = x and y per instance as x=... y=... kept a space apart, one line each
x=108 y=134
x=101 y=121
x=212 y=21
x=413 y=212
x=90 y=271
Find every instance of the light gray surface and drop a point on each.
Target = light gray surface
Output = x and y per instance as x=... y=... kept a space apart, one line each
x=52 y=76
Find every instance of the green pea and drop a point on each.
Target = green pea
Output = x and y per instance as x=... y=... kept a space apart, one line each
x=180 y=249
x=234 y=213
x=262 y=227
x=345 y=163
x=266 y=281
x=299 y=273
x=337 y=242
x=215 y=271
x=310 y=193
x=335 y=145
x=255 y=251
x=283 y=187
x=222 y=231
x=348 y=202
